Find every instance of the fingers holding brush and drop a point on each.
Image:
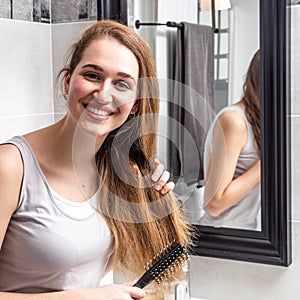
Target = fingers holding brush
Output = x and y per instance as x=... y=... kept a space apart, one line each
x=136 y=293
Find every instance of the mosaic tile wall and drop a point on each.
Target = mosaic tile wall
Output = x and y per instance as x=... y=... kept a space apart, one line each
x=73 y=10
x=49 y=11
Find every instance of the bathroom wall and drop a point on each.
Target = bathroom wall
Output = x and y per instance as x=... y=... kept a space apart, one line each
x=25 y=73
x=25 y=77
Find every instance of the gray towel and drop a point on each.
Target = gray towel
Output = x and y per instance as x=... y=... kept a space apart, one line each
x=192 y=102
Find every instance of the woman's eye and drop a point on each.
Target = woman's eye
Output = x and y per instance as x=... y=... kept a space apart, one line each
x=92 y=76
x=123 y=85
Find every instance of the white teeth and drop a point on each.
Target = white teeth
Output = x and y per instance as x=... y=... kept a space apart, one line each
x=98 y=112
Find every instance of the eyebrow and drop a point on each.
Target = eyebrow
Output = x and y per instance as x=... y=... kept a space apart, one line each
x=100 y=69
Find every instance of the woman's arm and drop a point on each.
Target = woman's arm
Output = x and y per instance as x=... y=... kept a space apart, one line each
x=11 y=174
x=221 y=190
x=107 y=292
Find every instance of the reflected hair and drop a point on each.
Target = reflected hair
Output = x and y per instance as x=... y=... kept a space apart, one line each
x=251 y=97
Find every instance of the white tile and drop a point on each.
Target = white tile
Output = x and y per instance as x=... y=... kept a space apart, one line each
x=11 y=126
x=218 y=279
x=25 y=73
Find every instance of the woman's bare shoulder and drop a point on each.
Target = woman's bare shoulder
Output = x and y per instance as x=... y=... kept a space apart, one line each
x=233 y=120
x=11 y=175
x=11 y=164
x=10 y=156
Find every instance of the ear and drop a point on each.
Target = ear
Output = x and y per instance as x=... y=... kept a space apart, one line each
x=134 y=108
x=67 y=83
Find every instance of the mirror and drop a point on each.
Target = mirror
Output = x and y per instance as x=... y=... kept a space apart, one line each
x=235 y=43
x=271 y=242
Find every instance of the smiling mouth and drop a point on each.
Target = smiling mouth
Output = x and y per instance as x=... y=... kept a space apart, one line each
x=98 y=112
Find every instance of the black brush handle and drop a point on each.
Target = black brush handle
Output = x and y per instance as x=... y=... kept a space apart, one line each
x=144 y=280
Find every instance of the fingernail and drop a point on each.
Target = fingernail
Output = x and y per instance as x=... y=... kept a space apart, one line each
x=157 y=187
x=154 y=177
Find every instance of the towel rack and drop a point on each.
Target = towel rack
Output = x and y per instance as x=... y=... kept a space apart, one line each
x=138 y=23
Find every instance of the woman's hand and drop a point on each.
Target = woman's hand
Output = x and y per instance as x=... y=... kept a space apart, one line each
x=110 y=292
x=107 y=292
x=160 y=178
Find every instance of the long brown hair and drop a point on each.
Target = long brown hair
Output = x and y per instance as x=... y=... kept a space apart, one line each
x=141 y=219
x=251 y=97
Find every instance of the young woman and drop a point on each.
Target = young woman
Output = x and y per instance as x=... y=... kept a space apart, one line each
x=77 y=197
x=232 y=154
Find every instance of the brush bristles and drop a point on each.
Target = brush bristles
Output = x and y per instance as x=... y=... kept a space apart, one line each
x=159 y=255
x=169 y=262
x=169 y=273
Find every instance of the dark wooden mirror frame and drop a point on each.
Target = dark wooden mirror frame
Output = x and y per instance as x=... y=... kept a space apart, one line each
x=272 y=245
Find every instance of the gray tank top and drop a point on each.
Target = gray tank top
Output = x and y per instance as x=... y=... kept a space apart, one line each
x=51 y=243
x=244 y=214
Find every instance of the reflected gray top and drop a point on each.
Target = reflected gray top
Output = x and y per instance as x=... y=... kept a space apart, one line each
x=51 y=243
x=243 y=215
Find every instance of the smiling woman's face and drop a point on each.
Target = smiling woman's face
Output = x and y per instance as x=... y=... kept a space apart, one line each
x=102 y=88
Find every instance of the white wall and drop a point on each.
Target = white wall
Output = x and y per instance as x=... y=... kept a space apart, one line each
x=31 y=56
x=25 y=77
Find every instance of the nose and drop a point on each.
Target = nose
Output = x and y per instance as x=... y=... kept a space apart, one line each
x=104 y=94
x=103 y=98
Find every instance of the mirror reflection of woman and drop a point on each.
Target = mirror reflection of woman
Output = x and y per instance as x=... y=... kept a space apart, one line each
x=61 y=232
x=232 y=160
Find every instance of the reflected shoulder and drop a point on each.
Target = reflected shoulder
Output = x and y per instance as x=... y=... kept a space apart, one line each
x=233 y=120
